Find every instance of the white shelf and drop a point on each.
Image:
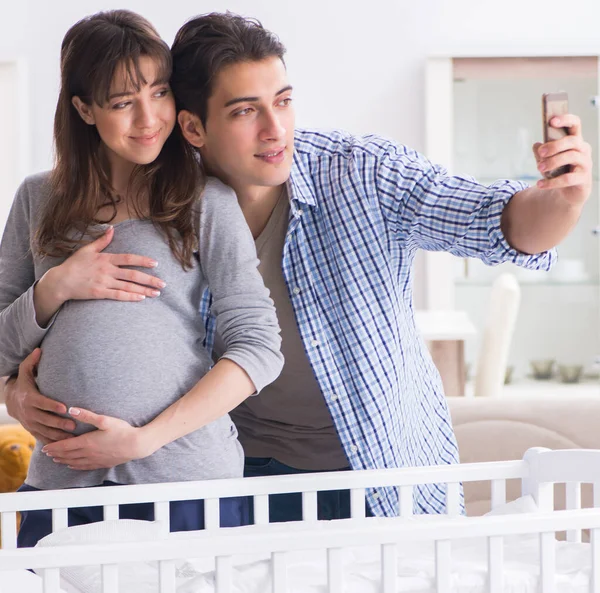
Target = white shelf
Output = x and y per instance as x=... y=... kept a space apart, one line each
x=546 y=389
x=485 y=283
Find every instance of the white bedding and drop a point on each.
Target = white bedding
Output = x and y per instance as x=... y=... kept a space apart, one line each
x=307 y=571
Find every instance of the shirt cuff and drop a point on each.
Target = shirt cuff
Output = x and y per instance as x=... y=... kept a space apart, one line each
x=262 y=369
x=500 y=250
x=31 y=332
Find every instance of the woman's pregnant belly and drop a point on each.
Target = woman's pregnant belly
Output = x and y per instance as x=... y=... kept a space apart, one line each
x=128 y=360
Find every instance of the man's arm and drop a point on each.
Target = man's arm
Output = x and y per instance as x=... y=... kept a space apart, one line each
x=38 y=414
x=539 y=218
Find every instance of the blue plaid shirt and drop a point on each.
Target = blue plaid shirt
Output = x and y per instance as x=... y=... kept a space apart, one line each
x=360 y=210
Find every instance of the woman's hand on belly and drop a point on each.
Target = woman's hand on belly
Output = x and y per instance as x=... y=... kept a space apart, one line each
x=90 y=273
x=115 y=442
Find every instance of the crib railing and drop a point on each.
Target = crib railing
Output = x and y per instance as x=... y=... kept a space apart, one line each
x=211 y=491
x=538 y=471
x=334 y=538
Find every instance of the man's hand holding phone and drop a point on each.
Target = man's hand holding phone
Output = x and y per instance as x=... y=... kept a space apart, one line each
x=564 y=158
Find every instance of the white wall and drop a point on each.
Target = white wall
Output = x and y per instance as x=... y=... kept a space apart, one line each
x=355 y=65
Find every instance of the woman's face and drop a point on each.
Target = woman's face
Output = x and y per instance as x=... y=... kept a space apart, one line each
x=133 y=125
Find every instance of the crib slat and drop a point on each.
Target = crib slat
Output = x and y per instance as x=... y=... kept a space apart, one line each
x=60 y=519
x=280 y=575
x=496 y=564
x=162 y=516
x=224 y=576
x=406 y=501
x=261 y=509
x=166 y=571
x=357 y=503
x=9 y=530
x=595 y=572
x=335 y=573
x=309 y=506
x=453 y=498
x=498 y=493
x=596 y=490
x=110 y=578
x=111 y=512
x=547 y=561
x=51 y=580
x=389 y=568
x=443 y=566
x=573 y=501
x=212 y=513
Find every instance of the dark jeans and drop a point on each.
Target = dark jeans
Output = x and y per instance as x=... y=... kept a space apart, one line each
x=185 y=515
x=332 y=504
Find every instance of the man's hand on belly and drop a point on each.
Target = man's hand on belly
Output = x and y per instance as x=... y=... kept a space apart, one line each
x=115 y=442
x=38 y=414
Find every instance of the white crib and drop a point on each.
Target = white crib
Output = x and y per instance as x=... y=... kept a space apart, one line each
x=538 y=471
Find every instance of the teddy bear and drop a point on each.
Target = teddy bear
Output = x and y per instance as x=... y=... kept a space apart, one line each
x=16 y=447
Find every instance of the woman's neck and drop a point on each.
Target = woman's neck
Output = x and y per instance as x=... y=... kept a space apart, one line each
x=118 y=171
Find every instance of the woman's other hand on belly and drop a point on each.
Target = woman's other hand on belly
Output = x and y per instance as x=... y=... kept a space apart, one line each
x=115 y=442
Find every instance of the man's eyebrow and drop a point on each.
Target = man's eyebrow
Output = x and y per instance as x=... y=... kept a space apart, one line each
x=254 y=99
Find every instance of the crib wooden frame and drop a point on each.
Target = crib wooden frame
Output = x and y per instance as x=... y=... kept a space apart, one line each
x=538 y=471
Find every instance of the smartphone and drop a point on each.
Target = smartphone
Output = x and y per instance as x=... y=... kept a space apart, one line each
x=554 y=104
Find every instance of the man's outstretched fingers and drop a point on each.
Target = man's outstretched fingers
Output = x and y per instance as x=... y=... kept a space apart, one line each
x=51 y=420
x=47 y=435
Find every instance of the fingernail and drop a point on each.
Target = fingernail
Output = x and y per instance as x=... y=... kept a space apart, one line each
x=153 y=264
x=140 y=297
x=542 y=167
x=44 y=450
x=555 y=121
x=74 y=411
x=162 y=284
x=155 y=293
x=542 y=152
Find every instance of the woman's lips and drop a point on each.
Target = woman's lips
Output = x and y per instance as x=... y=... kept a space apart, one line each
x=146 y=140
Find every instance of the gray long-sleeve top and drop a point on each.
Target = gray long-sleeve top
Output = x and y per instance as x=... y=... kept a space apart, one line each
x=133 y=360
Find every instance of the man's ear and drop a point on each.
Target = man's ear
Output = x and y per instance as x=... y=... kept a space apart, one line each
x=192 y=128
x=84 y=110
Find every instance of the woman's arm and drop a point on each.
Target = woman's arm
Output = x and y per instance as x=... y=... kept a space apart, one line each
x=20 y=333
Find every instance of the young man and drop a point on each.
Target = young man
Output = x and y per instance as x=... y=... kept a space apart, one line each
x=337 y=221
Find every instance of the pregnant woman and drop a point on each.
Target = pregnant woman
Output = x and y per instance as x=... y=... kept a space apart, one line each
x=120 y=333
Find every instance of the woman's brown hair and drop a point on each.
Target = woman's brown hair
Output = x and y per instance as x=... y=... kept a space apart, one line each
x=91 y=53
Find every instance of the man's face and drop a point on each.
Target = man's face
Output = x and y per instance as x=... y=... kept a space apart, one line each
x=249 y=133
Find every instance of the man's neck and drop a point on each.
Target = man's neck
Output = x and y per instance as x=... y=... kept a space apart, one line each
x=257 y=205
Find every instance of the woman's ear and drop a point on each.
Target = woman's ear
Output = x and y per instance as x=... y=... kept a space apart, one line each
x=84 y=110
x=191 y=128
